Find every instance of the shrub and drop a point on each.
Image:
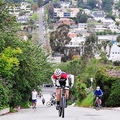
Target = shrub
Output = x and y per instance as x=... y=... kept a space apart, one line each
x=116 y=63
x=114 y=98
x=4 y=98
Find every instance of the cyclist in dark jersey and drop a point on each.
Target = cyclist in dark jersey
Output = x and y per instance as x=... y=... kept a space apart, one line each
x=61 y=78
x=99 y=93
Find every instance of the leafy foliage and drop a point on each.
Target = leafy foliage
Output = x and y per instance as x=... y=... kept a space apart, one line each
x=59 y=38
x=114 y=98
x=107 y=83
x=23 y=66
x=9 y=63
x=4 y=98
x=91 y=46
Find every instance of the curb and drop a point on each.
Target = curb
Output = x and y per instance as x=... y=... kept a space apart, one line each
x=4 y=111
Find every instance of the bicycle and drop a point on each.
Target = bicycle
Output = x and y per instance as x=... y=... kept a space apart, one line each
x=97 y=105
x=63 y=104
x=51 y=103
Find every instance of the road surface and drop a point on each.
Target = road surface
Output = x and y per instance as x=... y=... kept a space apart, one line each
x=42 y=112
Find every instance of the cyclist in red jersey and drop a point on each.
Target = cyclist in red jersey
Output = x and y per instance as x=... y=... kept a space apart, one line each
x=61 y=78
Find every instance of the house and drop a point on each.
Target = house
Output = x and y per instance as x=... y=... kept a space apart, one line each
x=22 y=19
x=107 y=38
x=25 y=6
x=113 y=28
x=65 y=4
x=99 y=28
x=72 y=35
x=75 y=42
x=115 y=1
x=66 y=21
x=98 y=15
x=74 y=2
x=115 y=53
x=65 y=12
x=108 y=21
x=82 y=26
x=87 y=12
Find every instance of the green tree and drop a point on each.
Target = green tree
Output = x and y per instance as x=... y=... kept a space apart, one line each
x=107 y=5
x=110 y=46
x=118 y=5
x=35 y=7
x=9 y=63
x=104 y=44
x=23 y=65
x=83 y=18
x=90 y=46
x=59 y=38
x=4 y=98
x=92 y=3
x=78 y=16
x=118 y=40
x=33 y=71
x=40 y=3
x=35 y=16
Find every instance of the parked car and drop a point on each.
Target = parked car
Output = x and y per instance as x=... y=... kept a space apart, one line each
x=47 y=85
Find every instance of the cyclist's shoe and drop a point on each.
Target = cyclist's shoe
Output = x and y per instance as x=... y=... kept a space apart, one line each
x=57 y=107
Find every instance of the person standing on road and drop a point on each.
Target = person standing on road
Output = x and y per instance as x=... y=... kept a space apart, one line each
x=34 y=98
x=60 y=78
x=43 y=100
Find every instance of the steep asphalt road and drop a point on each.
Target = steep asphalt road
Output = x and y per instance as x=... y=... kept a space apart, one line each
x=42 y=112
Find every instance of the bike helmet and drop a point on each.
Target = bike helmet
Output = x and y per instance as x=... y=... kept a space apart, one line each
x=57 y=72
x=98 y=88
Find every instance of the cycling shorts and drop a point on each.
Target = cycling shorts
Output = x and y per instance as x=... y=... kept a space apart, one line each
x=99 y=96
x=34 y=100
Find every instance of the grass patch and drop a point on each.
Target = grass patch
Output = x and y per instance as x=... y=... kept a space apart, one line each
x=87 y=102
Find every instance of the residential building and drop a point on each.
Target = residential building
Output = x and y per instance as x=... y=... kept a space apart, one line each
x=74 y=2
x=25 y=6
x=87 y=11
x=82 y=26
x=66 y=21
x=113 y=28
x=22 y=19
x=107 y=38
x=98 y=15
x=107 y=21
x=75 y=42
x=72 y=35
x=99 y=28
x=115 y=1
x=65 y=4
x=65 y=12
x=114 y=53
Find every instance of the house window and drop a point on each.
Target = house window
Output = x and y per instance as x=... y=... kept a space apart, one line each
x=66 y=14
x=55 y=14
x=113 y=52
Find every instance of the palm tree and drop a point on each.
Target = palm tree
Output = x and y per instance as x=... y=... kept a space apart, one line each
x=104 y=44
x=118 y=41
x=110 y=46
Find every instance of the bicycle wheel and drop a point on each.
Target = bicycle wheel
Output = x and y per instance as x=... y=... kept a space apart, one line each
x=48 y=104
x=96 y=105
x=60 y=111
x=63 y=106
